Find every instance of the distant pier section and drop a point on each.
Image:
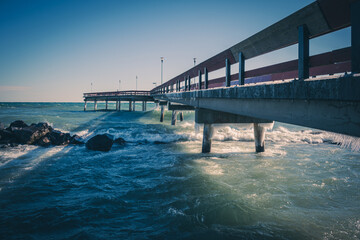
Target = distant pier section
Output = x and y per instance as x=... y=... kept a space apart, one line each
x=130 y=97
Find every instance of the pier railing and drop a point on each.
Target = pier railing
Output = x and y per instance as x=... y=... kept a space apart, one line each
x=317 y=19
x=117 y=93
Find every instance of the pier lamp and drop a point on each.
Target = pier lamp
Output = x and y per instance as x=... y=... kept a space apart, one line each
x=162 y=62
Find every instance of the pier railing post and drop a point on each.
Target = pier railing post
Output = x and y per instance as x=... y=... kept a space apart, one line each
x=199 y=79
x=206 y=78
x=241 y=69
x=207 y=135
x=189 y=83
x=185 y=81
x=355 y=37
x=303 y=35
x=227 y=72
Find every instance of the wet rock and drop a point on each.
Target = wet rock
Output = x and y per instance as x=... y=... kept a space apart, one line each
x=6 y=136
x=18 y=124
x=44 y=142
x=102 y=142
x=2 y=126
x=59 y=138
x=76 y=140
x=31 y=134
x=120 y=141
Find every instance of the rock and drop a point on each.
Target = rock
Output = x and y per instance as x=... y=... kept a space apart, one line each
x=18 y=124
x=76 y=140
x=44 y=142
x=1 y=126
x=120 y=141
x=6 y=136
x=31 y=134
x=102 y=142
x=59 y=138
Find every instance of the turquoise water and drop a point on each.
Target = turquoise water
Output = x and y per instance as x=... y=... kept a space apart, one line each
x=159 y=186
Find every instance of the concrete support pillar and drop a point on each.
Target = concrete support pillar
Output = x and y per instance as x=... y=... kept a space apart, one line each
x=241 y=69
x=117 y=105
x=259 y=135
x=355 y=37
x=181 y=115
x=206 y=78
x=134 y=106
x=85 y=106
x=173 y=117
x=162 y=113
x=145 y=105
x=95 y=105
x=227 y=73
x=303 y=34
x=130 y=107
x=207 y=135
x=106 y=105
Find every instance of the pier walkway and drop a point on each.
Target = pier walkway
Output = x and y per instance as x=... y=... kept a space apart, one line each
x=320 y=91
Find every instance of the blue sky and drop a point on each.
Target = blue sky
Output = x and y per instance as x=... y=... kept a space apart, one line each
x=52 y=50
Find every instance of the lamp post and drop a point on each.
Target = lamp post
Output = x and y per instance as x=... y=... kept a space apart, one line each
x=162 y=62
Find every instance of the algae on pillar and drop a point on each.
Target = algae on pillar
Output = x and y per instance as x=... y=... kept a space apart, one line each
x=259 y=136
x=207 y=135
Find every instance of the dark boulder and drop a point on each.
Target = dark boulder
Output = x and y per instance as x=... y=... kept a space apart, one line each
x=102 y=142
x=76 y=140
x=44 y=142
x=7 y=136
x=18 y=124
x=31 y=134
x=59 y=138
x=120 y=141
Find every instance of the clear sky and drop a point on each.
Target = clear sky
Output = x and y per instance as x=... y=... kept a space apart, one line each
x=52 y=50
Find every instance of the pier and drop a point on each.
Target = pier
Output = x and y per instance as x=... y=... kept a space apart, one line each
x=319 y=91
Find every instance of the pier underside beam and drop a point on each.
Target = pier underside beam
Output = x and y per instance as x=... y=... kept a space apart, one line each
x=180 y=107
x=209 y=117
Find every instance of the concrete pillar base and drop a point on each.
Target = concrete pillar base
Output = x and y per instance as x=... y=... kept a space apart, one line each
x=134 y=106
x=95 y=105
x=162 y=114
x=106 y=105
x=85 y=106
x=181 y=116
x=173 y=117
x=259 y=136
x=207 y=135
x=130 y=107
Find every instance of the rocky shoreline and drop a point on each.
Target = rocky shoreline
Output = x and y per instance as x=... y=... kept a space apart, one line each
x=42 y=134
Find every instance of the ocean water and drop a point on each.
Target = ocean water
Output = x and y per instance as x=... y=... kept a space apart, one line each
x=159 y=185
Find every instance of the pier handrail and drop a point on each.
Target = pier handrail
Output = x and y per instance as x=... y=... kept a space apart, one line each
x=118 y=93
x=318 y=18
